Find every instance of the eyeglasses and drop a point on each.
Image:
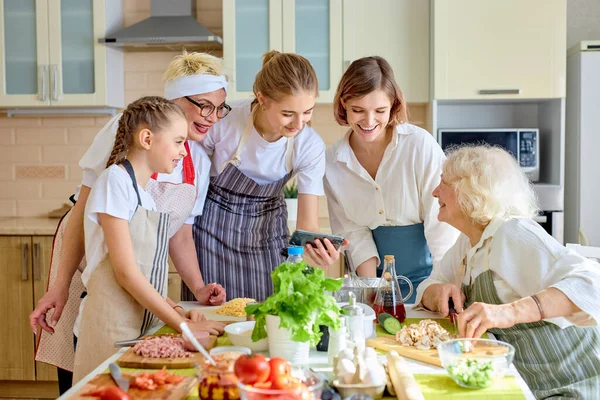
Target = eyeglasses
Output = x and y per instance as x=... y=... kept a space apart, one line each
x=207 y=108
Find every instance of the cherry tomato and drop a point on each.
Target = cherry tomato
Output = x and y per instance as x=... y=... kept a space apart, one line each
x=280 y=373
x=252 y=369
x=110 y=393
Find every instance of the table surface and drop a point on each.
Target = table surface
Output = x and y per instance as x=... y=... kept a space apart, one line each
x=317 y=360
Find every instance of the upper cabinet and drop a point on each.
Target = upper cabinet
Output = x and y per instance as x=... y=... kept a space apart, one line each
x=312 y=28
x=509 y=49
x=330 y=38
x=397 y=30
x=50 y=55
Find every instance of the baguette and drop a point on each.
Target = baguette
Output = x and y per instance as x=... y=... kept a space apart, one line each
x=404 y=382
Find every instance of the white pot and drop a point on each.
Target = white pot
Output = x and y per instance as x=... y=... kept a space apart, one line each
x=292 y=209
x=282 y=345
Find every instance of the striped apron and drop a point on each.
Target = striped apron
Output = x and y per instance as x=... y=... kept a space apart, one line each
x=243 y=229
x=110 y=313
x=554 y=362
x=175 y=199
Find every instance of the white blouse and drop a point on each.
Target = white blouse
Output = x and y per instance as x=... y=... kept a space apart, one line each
x=524 y=259
x=400 y=195
x=262 y=161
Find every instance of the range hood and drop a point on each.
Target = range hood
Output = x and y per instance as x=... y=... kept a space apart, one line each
x=172 y=25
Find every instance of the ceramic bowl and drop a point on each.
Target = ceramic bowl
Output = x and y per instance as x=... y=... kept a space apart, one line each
x=240 y=334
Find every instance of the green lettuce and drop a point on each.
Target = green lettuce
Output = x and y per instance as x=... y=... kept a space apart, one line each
x=301 y=300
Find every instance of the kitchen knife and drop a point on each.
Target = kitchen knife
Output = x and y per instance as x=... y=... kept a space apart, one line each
x=452 y=314
x=127 y=343
x=115 y=372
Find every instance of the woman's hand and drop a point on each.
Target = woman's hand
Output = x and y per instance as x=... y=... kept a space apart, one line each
x=479 y=317
x=436 y=297
x=212 y=294
x=55 y=298
x=195 y=316
x=323 y=253
x=212 y=327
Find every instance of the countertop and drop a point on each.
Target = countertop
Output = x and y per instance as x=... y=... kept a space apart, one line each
x=28 y=226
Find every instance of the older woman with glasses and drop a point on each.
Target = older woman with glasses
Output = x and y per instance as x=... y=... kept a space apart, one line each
x=513 y=278
x=195 y=82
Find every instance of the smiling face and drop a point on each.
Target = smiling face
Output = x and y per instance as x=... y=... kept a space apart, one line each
x=450 y=211
x=287 y=116
x=199 y=125
x=369 y=115
x=168 y=145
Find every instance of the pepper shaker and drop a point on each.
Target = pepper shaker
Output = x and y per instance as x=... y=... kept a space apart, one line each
x=354 y=315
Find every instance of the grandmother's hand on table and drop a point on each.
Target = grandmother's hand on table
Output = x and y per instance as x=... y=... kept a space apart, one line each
x=479 y=317
x=436 y=296
x=323 y=252
x=212 y=294
x=210 y=326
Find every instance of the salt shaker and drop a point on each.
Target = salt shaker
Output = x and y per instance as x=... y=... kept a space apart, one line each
x=337 y=342
x=354 y=314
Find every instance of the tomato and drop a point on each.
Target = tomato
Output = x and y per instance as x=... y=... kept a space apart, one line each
x=110 y=393
x=252 y=369
x=279 y=368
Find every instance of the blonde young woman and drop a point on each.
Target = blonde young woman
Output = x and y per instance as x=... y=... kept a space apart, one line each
x=195 y=82
x=254 y=153
x=513 y=279
x=379 y=177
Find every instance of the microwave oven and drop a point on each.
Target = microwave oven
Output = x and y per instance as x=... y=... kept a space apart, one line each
x=523 y=144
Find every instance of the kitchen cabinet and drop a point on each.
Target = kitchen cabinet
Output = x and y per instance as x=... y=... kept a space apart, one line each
x=312 y=28
x=397 y=30
x=50 y=55
x=24 y=265
x=174 y=283
x=509 y=49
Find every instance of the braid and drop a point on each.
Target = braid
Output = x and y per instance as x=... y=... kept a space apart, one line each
x=151 y=112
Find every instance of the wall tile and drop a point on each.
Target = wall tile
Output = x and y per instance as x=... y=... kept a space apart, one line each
x=7 y=173
x=75 y=173
x=20 y=190
x=38 y=208
x=57 y=190
x=19 y=122
x=7 y=136
x=8 y=208
x=63 y=154
x=41 y=172
x=20 y=154
x=82 y=136
x=41 y=135
x=135 y=80
x=67 y=122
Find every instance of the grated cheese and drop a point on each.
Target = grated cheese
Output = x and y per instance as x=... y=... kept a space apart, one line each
x=235 y=307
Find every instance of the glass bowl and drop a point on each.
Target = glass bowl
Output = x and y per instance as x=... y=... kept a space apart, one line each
x=312 y=390
x=476 y=363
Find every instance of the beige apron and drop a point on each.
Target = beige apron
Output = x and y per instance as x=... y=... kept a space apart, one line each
x=175 y=199
x=110 y=313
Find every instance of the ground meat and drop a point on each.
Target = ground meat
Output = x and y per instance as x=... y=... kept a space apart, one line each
x=161 y=347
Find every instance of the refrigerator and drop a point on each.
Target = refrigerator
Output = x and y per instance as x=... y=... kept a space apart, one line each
x=582 y=145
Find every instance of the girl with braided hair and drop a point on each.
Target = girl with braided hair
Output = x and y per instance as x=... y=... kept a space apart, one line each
x=196 y=83
x=126 y=237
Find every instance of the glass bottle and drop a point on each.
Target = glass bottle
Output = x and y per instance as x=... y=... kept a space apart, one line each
x=389 y=298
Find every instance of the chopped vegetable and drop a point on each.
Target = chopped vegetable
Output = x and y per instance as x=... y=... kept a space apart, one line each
x=392 y=325
x=472 y=373
x=382 y=317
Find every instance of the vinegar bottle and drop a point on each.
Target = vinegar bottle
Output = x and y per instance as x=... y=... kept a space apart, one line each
x=389 y=298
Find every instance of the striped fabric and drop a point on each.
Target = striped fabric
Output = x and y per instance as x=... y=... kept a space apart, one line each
x=554 y=362
x=240 y=234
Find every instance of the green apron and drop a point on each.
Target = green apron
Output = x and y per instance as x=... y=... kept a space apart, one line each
x=554 y=362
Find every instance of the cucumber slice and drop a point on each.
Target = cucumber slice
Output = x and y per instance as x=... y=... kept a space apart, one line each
x=382 y=317
x=391 y=325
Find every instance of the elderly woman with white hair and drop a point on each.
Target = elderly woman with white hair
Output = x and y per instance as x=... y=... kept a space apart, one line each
x=514 y=279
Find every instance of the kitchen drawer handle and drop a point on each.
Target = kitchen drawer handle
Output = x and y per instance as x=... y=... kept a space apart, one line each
x=500 y=91
x=37 y=270
x=44 y=94
x=54 y=69
x=24 y=269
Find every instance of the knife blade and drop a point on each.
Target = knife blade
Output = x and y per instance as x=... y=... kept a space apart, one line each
x=127 y=343
x=452 y=314
x=115 y=372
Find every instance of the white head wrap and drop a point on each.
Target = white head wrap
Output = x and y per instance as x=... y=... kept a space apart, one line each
x=194 y=84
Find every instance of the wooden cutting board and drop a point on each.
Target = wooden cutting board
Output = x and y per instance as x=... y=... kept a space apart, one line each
x=168 y=392
x=387 y=343
x=132 y=360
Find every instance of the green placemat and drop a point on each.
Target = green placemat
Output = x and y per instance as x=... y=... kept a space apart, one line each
x=437 y=386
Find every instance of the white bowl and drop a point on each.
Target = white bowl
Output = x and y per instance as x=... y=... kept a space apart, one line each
x=240 y=334
x=368 y=318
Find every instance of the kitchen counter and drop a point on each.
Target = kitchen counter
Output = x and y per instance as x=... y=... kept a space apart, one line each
x=28 y=226
x=317 y=360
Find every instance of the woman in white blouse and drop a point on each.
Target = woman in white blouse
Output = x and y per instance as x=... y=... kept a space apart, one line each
x=513 y=278
x=379 y=177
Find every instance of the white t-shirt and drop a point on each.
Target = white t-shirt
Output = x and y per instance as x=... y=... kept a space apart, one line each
x=94 y=161
x=262 y=161
x=400 y=194
x=113 y=194
x=524 y=259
